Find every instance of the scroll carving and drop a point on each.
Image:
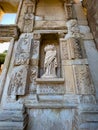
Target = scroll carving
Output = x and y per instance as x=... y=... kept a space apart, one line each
x=21 y=59
x=50 y=89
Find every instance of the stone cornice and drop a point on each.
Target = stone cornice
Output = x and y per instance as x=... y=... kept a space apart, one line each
x=7 y=32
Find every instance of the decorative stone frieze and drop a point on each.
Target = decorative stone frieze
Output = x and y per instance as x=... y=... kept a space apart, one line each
x=50 y=89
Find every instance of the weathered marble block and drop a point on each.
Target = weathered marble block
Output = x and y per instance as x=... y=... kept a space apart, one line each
x=86 y=117
x=13 y=116
x=18 y=81
x=50 y=119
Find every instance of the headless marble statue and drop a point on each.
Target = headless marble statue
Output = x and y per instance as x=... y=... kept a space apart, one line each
x=50 y=62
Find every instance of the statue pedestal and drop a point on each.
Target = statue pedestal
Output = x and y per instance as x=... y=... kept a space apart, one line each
x=51 y=80
x=51 y=76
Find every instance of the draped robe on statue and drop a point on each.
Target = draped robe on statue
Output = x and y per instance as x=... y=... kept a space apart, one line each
x=50 y=63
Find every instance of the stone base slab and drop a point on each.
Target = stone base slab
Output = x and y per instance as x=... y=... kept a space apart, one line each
x=86 y=117
x=13 y=116
x=51 y=80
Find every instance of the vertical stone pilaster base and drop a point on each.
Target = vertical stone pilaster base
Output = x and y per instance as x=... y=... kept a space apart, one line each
x=86 y=117
x=13 y=116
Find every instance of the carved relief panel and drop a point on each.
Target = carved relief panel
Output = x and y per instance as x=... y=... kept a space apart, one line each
x=18 y=81
x=71 y=49
x=22 y=55
x=21 y=59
